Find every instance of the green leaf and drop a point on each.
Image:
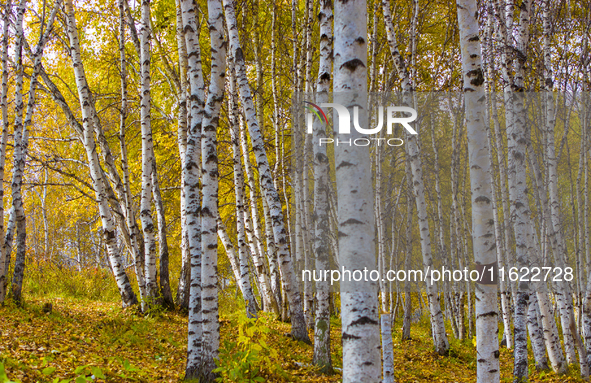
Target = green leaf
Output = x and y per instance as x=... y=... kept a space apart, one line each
x=48 y=370
x=79 y=369
x=97 y=372
x=129 y=367
x=80 y=379
x=3 y=376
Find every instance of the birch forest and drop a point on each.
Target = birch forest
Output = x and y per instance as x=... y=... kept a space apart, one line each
x=295 y=191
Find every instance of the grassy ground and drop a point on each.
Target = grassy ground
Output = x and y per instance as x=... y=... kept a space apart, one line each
x=81 y=338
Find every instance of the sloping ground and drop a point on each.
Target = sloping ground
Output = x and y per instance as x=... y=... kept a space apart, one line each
x=82 y=340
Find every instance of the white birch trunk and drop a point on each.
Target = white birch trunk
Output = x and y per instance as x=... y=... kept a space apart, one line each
x=356 y=220
x=439 y=335
x=192 y=189
x=129 y=215
x=4 y=258
x=501 y=227
x=98 y=181
x=243 y=278
x=290 y=284
x=21 y=144
x=18 y=160
x=209 y=180
x=387 y=348
x=147 y=157
x=563 y=293
x=483 y=235
x=273 y=263
x=322 y=357
x=520 y=214
x=252 y=226
x=535 y=334
x=182 y=295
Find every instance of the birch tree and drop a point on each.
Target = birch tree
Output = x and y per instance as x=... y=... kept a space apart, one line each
x=359 y=305
x=290 y=285
x=563 y=293
x=147 y=155
x=439 y=335
x=21 y=140
x=182 y=295
x=252 y=227
x=127 y=294
x=483 y=235
x=209 y=179
x=322 y=357
x=19 y=157
x=243 y=278
x=129 y=214
x=4 y=258
x=191 y=170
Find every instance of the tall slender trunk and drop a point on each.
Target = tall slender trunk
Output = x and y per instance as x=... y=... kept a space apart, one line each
x=209 y=180
x=245 y=288
x=278 y=129
x=501 y=227
x=147 y=156
x=182 y=294
x=563 y=293
x=483 y=235
x=243 y=278
x=322 y=357
x=359 y=304
x=290 y=284
x=192 y=188
x=19 y=159
x=439 y=335
x=21 y=144
x=46 y=245
x=98 y=182
x=129 y=215
x=258 y=251
x=4 y=257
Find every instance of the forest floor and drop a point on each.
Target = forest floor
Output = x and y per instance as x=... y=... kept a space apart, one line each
x=83 y=340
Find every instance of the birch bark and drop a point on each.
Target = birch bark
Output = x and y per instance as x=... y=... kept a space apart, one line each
x=243 y=278
x=356 y=220
x=406 y=321
x=147 y=156
x=98 y=181
x=439 y=335
x=563 y=293
x=290 y=284
x=209 y=180
x=182 y=294
x=253 y=228
x=129 y=214
x=192 y=188
x=18 y=159
x=483 y=235
x=322 y=357
x=4 y=258
x=535 y=334
x=21 y=144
